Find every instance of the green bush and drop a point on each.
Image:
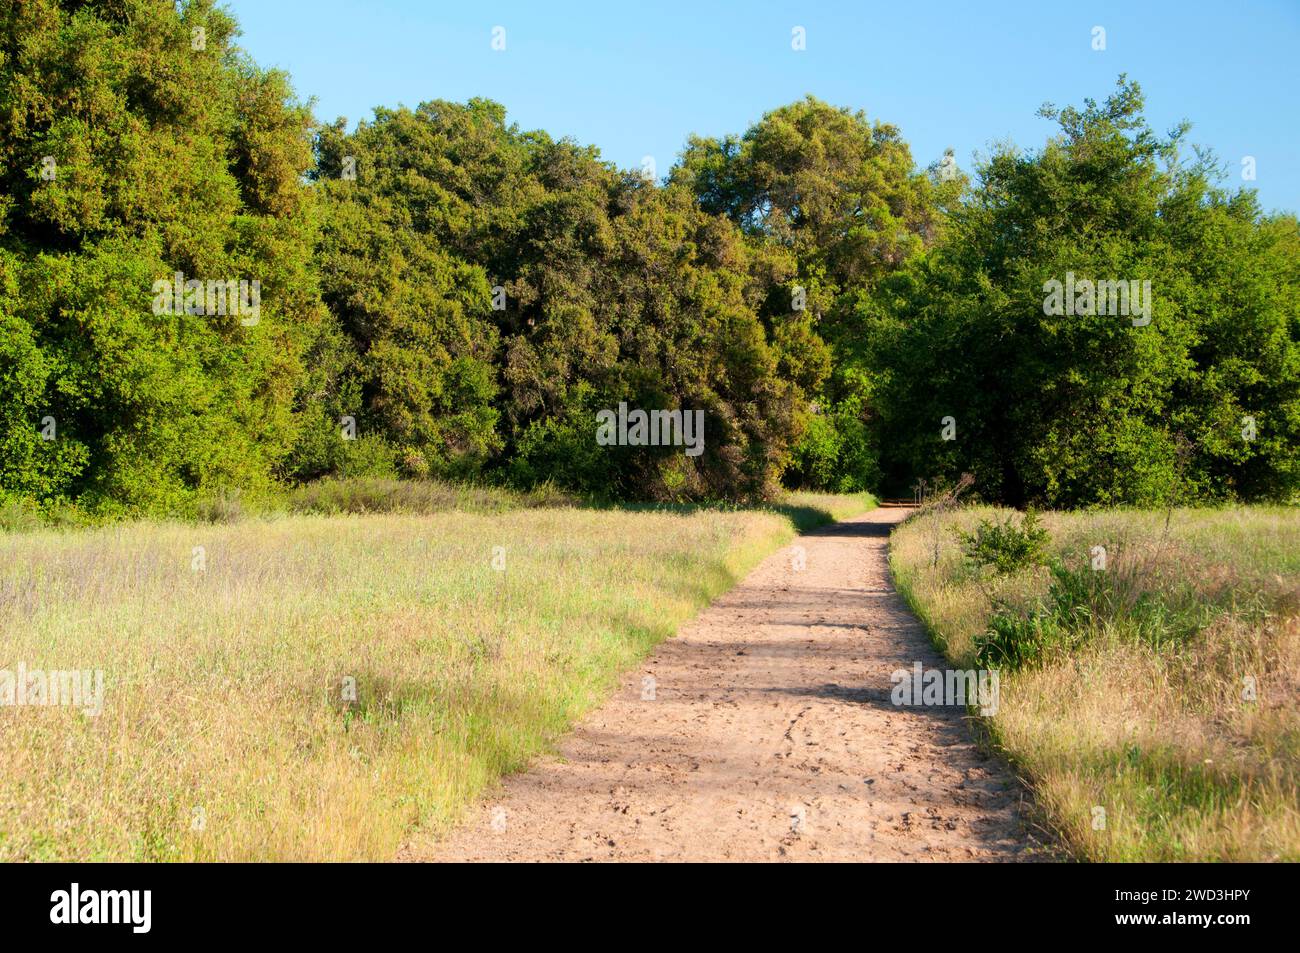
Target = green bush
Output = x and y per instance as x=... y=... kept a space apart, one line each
x=1004 y=545
x=19 y=517
x=1130 y=598
x=1015 y=640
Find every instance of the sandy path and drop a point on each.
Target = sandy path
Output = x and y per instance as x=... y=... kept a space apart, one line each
x=771 y=736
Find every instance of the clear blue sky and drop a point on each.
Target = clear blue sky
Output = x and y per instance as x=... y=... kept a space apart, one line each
x=635 y=78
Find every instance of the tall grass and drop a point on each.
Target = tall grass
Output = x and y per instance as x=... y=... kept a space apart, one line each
x=226 y=733
x=1161 y=720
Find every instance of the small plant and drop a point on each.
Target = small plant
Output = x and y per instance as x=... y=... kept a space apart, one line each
x=1013 y=641
x=1004 y=545
x=1082 y=602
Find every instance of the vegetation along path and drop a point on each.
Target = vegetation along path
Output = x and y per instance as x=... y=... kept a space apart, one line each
x=766 y=731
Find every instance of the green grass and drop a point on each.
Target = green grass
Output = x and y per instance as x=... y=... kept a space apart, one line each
x=225 y=734
x=1139 y=708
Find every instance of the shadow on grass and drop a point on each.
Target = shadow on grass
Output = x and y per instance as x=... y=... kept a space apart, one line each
x=803 y=517
x=372 y=496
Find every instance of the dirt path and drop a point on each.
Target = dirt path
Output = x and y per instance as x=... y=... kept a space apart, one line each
x=770 y=736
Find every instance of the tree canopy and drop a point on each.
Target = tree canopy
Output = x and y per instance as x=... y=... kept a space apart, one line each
x=1196 y=398
x=202 y=287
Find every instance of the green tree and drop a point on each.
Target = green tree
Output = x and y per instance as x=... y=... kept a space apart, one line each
x=130 y=151
x=1090 y=407
x=831 y=203
x=497 y=288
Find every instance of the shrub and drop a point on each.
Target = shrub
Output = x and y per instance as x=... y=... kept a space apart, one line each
x=19 y=516
x=1133 y=599
x=1014 y=640
x=1005 y=546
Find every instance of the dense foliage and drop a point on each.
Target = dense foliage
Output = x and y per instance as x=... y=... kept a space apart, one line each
x=1195 y=398
x=495 y=289
x=438 y=293
x=127 y=156
x=1005 y=546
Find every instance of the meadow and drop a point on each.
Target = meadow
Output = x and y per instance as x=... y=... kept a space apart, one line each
x=1152 y=700
x=328 y=685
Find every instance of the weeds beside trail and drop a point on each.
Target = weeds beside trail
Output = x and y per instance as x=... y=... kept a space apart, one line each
x=227 y=733
x=1150 y=668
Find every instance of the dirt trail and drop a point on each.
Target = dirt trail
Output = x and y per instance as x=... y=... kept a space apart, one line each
x=770 y=736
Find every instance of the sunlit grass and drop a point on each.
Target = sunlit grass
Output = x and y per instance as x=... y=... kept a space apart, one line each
x=1156 y=729
x=225 y=732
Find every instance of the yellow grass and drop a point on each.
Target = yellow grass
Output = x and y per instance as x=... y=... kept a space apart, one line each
x=1160 y=735
x=225 y=734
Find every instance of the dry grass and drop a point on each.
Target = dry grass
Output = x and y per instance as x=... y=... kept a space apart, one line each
x=225 y=734
x=1151 y=723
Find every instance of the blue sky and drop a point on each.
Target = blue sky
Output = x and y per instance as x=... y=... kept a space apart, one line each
x=635 y=78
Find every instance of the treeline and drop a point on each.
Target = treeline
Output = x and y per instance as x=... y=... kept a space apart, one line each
x=441 y=294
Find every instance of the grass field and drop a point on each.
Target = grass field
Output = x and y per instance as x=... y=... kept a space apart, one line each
x=225 y=732
x=1162 y=719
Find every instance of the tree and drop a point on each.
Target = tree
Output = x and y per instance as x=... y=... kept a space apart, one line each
x=831 y=204
x=131 y=151
x=1062 y=390
x=497 y=289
